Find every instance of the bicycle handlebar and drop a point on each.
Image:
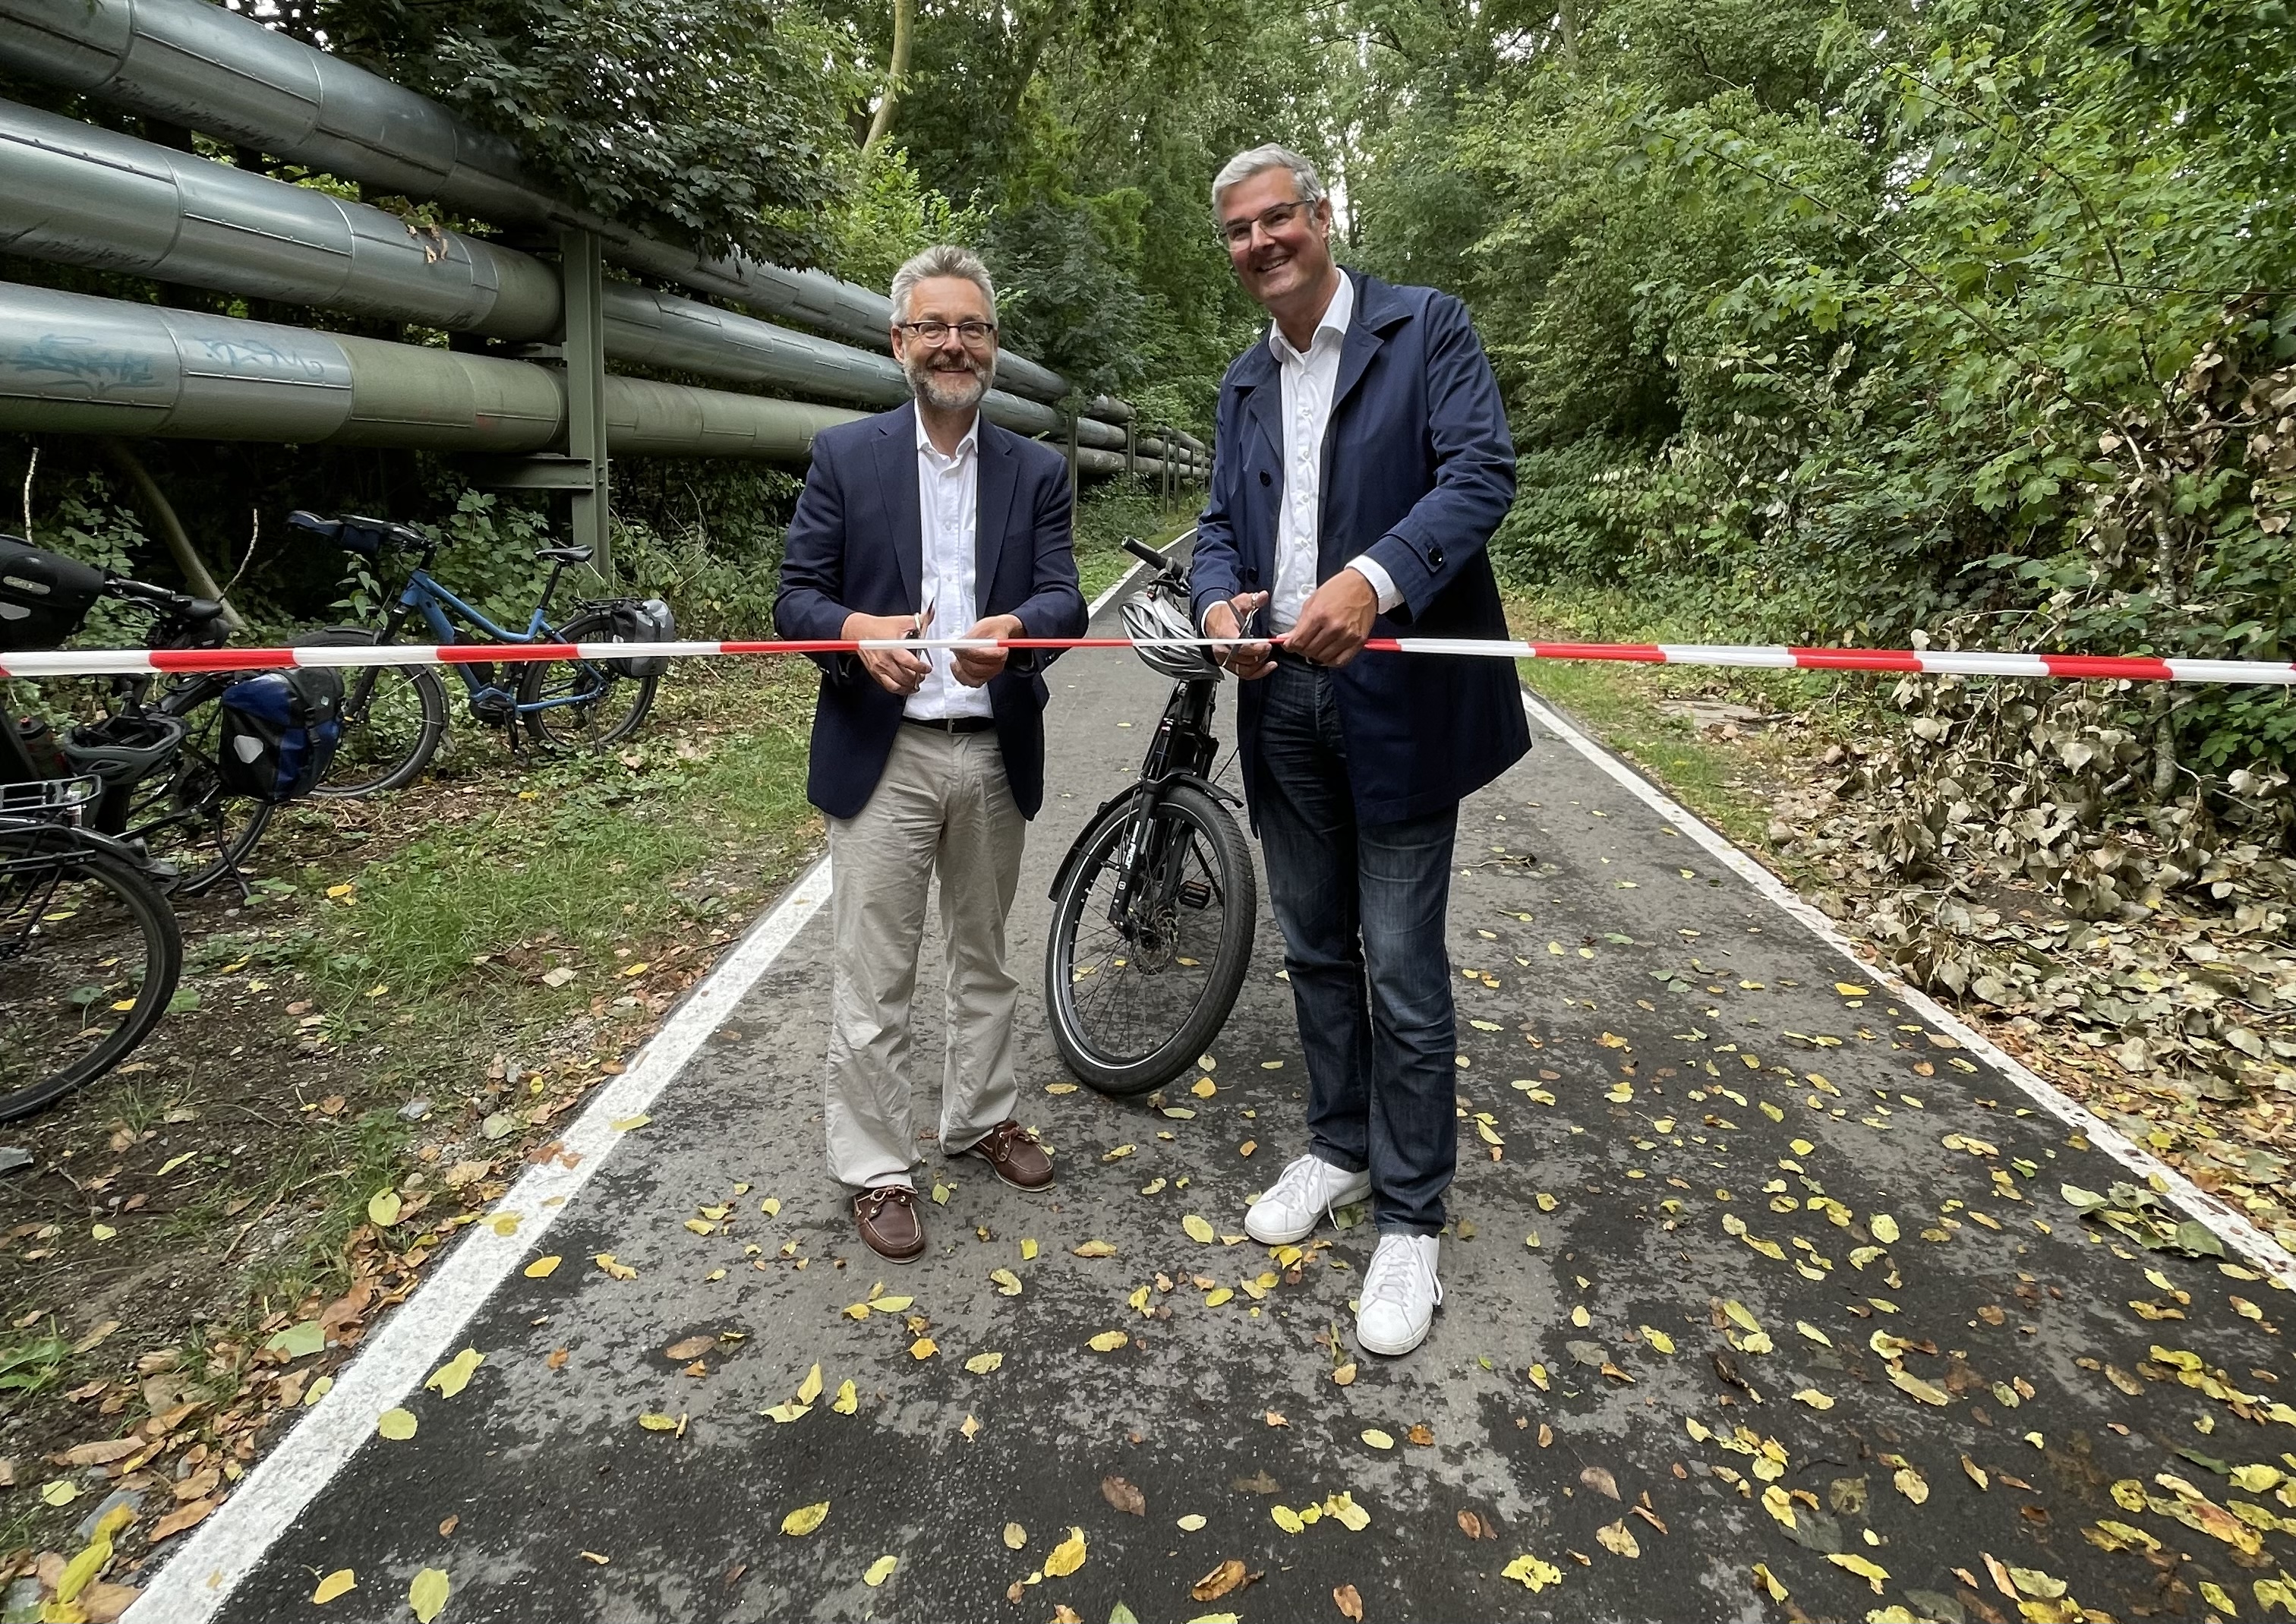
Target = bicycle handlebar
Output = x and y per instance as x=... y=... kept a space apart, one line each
x=1146 y=555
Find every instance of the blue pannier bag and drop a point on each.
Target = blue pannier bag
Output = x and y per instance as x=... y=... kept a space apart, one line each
x=279 y=732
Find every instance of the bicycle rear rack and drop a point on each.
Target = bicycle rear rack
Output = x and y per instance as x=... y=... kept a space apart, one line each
x=48 y=797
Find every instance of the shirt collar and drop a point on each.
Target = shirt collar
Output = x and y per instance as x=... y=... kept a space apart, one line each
x=966 y=446
x=1335 y=320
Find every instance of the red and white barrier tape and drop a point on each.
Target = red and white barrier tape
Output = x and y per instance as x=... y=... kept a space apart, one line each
x=107 y=662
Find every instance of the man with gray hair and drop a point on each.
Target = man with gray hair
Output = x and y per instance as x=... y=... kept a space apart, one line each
x=921 y=518
x=1361 y=465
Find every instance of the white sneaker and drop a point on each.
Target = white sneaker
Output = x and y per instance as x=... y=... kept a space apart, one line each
x=1303 y=1198
x=1400 y=1294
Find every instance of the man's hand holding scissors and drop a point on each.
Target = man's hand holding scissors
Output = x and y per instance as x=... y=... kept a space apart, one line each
x=897 y=671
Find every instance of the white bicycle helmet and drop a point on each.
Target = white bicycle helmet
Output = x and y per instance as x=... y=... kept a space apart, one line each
x=1156 y=613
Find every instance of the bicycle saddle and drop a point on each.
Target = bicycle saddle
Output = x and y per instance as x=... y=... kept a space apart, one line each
x=123 y=749
x=564 y=556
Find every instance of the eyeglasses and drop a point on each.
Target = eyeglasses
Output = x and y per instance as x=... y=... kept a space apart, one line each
x=1236 y=233
x=974 y=333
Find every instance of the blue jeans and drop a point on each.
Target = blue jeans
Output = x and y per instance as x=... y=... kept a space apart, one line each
x=1362 y=910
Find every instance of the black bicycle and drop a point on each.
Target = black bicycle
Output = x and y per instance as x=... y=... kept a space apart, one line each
x=1155 y=905
x=154 y=746
x=89 y=948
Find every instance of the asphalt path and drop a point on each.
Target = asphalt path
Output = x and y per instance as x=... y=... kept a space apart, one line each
x=1703 y=1181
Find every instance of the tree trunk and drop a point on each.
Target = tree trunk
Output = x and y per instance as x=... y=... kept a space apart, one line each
x=895 y=71
x=195 y=571
x=1567 y=16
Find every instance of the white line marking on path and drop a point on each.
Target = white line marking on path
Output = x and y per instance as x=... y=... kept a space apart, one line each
x=2258 y=1248
x=412 y=1342
x=203 y=1572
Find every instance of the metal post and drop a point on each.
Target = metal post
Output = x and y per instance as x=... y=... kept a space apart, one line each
x=1131 y=447
x=585 y=393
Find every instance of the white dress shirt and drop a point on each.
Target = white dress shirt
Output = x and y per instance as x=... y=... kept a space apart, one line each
x=949 y=492
x=1308 y=382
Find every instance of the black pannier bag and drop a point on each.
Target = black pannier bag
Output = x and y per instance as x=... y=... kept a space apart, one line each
x=44 y=596
x=646 y=621
x=278 y=733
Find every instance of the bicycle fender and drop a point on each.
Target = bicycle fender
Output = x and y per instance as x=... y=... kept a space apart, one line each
x=1074 y=854
x=1203 y=783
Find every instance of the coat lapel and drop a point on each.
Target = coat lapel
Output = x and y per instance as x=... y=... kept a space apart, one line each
x=1263 y=396
x=1366 y=334
x=996 y=470
x=896 y=481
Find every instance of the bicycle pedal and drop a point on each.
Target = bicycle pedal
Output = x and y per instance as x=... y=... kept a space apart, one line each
x=1196 y=894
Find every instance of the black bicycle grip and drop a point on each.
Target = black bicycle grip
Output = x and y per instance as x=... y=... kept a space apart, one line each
x=1145 y=554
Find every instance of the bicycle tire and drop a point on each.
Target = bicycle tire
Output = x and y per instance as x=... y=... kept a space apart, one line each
x=1159 y=1050
x=592 y=723
x=30 y=859
x=167 y=809
x=370 y=760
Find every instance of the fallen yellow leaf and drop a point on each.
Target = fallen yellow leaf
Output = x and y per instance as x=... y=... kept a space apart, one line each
x=879 y=1570
x=334 y=1585
x=805 y=1518
x=428 y=1593
x=396 y=1425
x=1067 y=1556
x=541 y=1267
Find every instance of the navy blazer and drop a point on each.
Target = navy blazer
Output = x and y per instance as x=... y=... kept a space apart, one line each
x=856 y=546
x=1418 y=470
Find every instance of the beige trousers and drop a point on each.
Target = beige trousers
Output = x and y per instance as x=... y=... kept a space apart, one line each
x=943 y=807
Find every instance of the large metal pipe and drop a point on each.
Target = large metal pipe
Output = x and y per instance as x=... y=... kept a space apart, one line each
x=73 y=364
x=77 y=195
x=196 y=64
x=70 y=363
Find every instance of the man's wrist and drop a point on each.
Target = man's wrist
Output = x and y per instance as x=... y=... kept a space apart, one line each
x=1383 y=590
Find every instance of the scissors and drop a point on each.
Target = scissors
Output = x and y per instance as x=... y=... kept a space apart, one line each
x=924 y=616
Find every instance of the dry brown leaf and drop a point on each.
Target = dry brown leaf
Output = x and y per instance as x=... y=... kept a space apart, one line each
x=1228 y=1576
x=1349 y=1603
x=689 y=1347
x=1420 y=1433
x=446 y=1529
x=1618 y=1538
x=557 y=1359
x=183 y=1517
x=1599 y=1480
x=100 y=1453
x=1474 y=1528
x=103 y=1601
x=1123 y=1496
x=1062 y=1614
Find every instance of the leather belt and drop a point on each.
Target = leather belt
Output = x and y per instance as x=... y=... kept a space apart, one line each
x=952 y=724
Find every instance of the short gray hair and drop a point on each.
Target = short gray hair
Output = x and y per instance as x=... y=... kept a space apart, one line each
x=1243 y=166
x=941 y=259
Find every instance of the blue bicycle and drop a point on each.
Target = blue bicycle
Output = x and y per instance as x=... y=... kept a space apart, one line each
x=395 y=716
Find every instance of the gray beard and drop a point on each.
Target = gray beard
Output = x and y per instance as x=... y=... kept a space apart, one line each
x=950 y=392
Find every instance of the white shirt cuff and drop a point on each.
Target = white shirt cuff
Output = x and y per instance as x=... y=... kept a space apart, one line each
x=1383 y=584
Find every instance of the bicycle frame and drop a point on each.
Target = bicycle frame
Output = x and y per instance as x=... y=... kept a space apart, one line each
x=426 y=595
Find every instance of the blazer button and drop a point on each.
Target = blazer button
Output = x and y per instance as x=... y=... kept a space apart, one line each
x=1435 y=558
x=1264 y=479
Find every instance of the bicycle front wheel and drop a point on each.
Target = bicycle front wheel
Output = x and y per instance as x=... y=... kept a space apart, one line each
x=89 y=954
x=583 y=704
x=394 y=718
x=1152 y=935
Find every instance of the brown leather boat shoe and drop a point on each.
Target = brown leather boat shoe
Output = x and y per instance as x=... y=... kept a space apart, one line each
x=887 y=1218
x=1014 y=1155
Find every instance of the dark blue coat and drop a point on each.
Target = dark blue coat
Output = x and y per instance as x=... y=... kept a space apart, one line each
x=856 y=546
x=1418 y=470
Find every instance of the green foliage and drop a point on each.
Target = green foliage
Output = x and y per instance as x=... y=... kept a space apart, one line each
x=713 y=123
x=1966 y=321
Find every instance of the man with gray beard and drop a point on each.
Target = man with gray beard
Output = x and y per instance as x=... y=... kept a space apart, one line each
x=921 y=521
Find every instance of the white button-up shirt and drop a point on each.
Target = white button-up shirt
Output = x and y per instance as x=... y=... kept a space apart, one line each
x=1309 y=381
x=948 y=504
